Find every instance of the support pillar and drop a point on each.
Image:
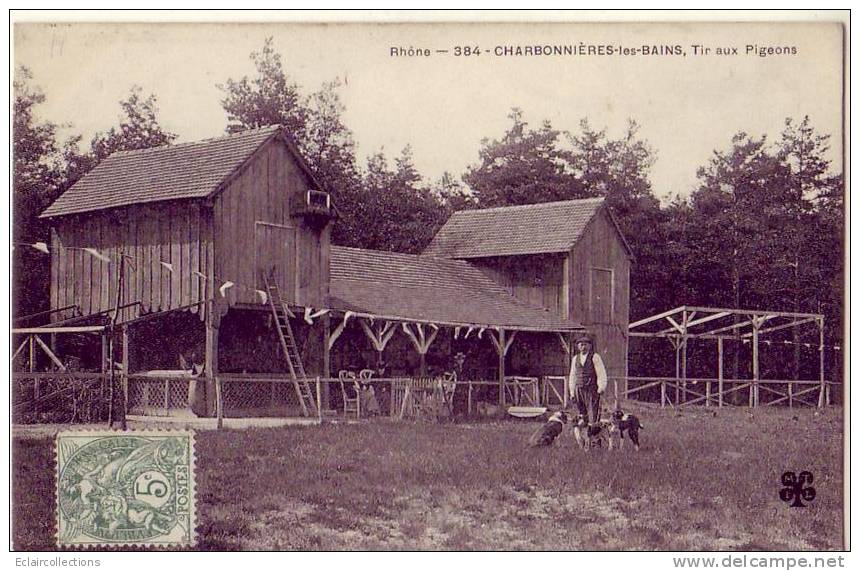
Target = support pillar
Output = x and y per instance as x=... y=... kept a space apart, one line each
x=755 y=365
x=720 y=372
x=126 y=363
x=684 y=367
x=326 y=372
x=207 y=397
x=821 y=395
x=501 y=351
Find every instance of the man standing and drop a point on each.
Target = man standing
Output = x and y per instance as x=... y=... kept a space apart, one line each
x=587 y=380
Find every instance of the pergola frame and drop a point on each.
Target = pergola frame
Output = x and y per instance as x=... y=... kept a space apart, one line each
x=683 y=323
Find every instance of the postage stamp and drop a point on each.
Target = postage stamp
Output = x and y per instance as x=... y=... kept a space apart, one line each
x=125 y=488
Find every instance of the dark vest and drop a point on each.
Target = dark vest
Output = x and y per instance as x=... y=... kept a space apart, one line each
x=585 y=374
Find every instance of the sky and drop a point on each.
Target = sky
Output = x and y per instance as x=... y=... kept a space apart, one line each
x=444 y=105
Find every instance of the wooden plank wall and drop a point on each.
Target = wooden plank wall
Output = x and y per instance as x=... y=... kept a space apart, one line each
x=601 y=247
x=536 y=280
x=179 y=233
x=173 y=232
x=263 y=192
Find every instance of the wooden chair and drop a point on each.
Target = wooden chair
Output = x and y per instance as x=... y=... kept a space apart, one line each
x=351 y=402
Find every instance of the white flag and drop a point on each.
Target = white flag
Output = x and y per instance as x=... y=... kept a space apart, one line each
x=167 y=266
x=42 y=247
x=224 y=287
x=95 y=253
x=263 y=297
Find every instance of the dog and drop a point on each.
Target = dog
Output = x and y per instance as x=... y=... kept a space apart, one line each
x=631 y=423
x=546 y=434
x=591 y=436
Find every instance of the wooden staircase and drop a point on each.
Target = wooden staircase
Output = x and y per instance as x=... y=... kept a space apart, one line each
x=282 y=314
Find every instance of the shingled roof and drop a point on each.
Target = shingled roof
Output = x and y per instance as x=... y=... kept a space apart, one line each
x=429 y=289
x=187 y=170
x=545 y=228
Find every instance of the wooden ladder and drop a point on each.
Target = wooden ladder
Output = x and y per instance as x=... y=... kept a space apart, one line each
x=282 y=314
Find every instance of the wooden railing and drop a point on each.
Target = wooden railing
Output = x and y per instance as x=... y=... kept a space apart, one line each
x=713 y=391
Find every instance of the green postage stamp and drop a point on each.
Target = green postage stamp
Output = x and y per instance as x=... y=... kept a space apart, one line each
x=125 y=488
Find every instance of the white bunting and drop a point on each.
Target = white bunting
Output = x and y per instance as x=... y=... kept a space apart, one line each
x=168 y=266
x=456 y=332
x=224 y=287
x=95 y=253
x=308 y=319
x=263 y=297
x=468 y=332
x=42 y=247
x=480 y=332
x=198 y=274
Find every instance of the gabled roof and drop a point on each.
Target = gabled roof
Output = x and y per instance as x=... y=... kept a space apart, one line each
x=429 y=289
x=187 y=170
x=546 y=228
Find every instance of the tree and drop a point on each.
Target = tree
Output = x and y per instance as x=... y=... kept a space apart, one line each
x=138 y=129
x=270 y=98
x=525 y=166
x=398 y=214
x=329 y=148
x=814 y=193
x=35 y=179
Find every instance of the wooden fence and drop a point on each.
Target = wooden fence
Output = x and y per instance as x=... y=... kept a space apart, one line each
x=743 y=392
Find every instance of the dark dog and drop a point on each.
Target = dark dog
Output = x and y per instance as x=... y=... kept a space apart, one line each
x=628 y=422
x=550 y=430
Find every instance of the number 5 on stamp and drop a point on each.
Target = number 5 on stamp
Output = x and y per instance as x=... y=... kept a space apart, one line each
x=125 y=488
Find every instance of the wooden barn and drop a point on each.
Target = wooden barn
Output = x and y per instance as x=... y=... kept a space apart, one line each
x=567 y=257
x=218 y=252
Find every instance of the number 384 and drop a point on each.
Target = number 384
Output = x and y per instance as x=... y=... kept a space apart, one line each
x=467 y=51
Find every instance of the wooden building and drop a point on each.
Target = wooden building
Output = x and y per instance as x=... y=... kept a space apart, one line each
x=568 y=257
x=190 y=233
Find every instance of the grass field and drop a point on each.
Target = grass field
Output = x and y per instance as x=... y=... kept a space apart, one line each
x=699 y=482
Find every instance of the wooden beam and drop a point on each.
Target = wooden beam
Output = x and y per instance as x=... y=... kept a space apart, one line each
x=20 y=348
x=783 y=326
x=565 y=344
x=753 y=312
x=656 y=317
x=49 y=353
x=40 y=330
x=339 y=329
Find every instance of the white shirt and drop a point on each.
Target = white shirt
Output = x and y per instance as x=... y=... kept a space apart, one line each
x=599 y=370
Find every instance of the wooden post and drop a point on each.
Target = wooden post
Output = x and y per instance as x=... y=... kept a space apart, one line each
x=32 y=347
x=126 y=363
x=677 y=343
x=319 y=401
x=501 y=349
x=569 y=359
x=211 y=365
x=754 y=388
x=112 y=345
x=684 y=340
x=720 y=372
x=469 y=403
x=219 y=403
x=326 y=364
x=821 y=396
x=662 y=394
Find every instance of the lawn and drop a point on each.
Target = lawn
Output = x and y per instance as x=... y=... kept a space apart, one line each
x=699 y=482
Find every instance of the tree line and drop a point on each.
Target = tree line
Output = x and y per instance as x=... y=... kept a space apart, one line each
x=763 y=229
